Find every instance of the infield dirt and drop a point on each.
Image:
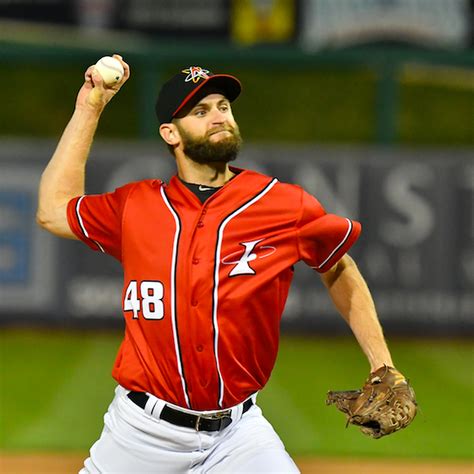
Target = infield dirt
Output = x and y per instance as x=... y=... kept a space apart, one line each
x=71 y=463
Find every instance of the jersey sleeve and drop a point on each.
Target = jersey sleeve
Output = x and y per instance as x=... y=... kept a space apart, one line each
x=96 y=219
x=323 y=238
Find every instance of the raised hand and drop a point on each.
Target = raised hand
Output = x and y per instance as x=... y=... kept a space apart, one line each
x=94 y=93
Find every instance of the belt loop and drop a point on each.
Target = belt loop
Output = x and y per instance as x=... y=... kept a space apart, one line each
x=198 y=420
x=237 y=412
x=153 y=407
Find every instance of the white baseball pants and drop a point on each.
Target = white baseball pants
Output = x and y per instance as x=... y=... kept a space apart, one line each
x=133 y=441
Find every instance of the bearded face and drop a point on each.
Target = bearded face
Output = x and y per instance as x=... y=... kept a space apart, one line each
x=214 y=146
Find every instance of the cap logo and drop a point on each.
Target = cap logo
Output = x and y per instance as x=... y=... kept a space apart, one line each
x=195 y=73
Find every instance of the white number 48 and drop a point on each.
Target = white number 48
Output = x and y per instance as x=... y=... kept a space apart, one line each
x=150 y=299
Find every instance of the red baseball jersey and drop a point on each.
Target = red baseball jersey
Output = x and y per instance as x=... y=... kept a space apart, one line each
x=205 y=285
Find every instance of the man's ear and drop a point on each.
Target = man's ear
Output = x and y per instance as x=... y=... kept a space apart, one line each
x=170 y=134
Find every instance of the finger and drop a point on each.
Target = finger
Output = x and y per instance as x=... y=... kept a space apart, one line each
x=126 y=67
x=88 y=74
x=96 y=77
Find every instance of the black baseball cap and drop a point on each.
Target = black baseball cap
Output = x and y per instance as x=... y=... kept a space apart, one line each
x=185 y=85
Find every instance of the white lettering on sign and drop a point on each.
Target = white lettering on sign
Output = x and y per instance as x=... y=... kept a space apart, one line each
x=417 y=216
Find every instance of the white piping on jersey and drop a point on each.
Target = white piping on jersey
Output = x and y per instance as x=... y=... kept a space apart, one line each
x=216 y=278
x=343 y=241
x=82 y=226
x=173 y=295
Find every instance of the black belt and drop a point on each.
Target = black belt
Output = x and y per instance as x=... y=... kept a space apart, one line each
x=208 y=422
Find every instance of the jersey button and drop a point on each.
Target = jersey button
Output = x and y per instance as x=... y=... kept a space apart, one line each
x=200 y=224
x=199 y=348
x=195 y=261
x=194 y=303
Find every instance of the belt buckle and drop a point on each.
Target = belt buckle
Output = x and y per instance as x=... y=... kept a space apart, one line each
x=212 y=416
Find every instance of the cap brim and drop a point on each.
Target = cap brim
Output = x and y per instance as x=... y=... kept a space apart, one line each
x=229 y=85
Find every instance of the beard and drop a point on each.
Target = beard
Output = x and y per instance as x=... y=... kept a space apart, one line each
x=202 y=150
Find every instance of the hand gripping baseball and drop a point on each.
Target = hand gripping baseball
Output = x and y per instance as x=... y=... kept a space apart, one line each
x=385 y=404
x=95 y=93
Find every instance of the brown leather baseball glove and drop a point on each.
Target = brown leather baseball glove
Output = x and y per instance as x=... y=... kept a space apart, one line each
x=385 y=404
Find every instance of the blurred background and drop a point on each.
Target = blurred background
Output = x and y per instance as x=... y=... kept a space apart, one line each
x=368 y=104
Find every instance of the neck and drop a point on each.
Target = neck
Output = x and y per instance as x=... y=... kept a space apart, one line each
x=210 y=174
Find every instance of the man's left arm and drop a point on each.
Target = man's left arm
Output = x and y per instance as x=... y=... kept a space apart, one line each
x=352 y=298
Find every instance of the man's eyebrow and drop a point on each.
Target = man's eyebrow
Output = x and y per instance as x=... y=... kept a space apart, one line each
x=224 y=100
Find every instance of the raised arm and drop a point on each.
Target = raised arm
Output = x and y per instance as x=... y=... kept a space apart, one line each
x=352 y=298
x=64 y=176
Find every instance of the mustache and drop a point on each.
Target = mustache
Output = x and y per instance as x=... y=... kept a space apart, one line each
x=221 y=129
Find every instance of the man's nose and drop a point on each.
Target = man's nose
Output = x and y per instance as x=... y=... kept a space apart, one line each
x=217 y=116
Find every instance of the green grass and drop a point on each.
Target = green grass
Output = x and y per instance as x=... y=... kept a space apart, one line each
x=440 y=371
x=55 y=387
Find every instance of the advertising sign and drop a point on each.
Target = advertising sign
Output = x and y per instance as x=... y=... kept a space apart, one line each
x=416 y=249
x=339 y=23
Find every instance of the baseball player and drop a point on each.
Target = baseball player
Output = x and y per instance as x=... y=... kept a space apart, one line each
x=208 y=261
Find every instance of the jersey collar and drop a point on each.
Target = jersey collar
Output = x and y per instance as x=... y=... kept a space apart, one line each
x=238 y=189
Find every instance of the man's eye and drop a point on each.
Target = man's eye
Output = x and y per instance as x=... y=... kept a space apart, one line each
x=200 y=113
x=224 y=108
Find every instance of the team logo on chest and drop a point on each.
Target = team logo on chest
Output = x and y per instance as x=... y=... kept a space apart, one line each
x=251 y=251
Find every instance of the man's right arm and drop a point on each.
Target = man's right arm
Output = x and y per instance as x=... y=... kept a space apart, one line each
x=64 y=176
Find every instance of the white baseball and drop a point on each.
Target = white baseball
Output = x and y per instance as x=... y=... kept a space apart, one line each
x=110 y=69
